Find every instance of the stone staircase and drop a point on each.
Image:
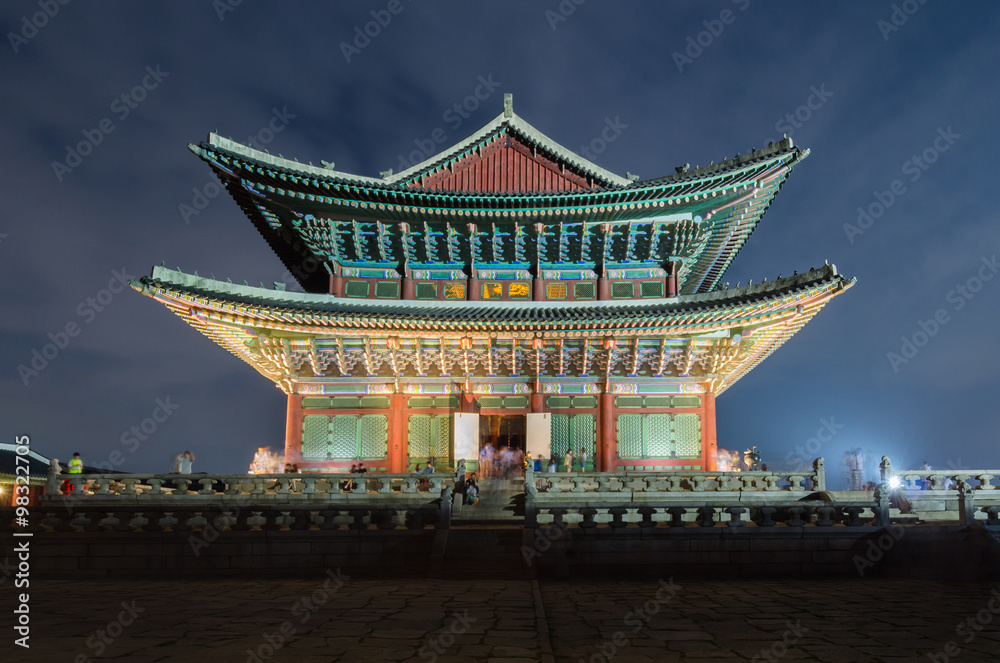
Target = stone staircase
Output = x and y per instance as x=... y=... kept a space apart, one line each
x=500 y=501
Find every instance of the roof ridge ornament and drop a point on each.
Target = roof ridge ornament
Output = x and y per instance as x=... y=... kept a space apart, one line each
x=508 y=104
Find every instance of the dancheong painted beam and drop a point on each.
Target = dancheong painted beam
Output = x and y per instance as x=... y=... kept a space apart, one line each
x=503 y=278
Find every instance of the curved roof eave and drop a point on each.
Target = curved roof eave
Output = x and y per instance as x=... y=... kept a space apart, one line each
x=318 y=303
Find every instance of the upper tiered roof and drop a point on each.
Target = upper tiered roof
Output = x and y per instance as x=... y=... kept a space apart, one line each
x=505 y=197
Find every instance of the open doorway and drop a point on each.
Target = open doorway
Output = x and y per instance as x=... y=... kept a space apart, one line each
x=502 y=440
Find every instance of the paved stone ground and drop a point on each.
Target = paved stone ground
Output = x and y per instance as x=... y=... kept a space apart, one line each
x=439 y=621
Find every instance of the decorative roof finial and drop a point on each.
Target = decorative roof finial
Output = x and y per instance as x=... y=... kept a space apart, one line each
x=385 y=173
x=632 y=177
x=508 y=104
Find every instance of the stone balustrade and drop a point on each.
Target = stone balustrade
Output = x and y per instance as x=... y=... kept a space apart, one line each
x=225 y=488
x=644 y=485
x=812 y=513
x=942 y=480
x=977 y=480
x=234 y=518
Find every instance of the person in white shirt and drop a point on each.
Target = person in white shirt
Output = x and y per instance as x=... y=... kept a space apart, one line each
x=183 y=463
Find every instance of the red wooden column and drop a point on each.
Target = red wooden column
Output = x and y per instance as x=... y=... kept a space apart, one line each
x=293 y=429
x=710 y=443
x=396 y=454
x=608 y=438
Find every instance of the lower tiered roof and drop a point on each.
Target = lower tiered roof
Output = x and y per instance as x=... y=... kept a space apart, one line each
x=307 y=342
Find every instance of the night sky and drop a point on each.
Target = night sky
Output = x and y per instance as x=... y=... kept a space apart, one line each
x=899 y=109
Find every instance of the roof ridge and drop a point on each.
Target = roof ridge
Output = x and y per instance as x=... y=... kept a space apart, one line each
x=739 y=160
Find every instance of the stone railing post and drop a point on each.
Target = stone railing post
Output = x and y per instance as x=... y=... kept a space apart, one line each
x=885 y=469
x=52 y=479
x=882 y=502
x=966 y=504
x=444 y=511
x=819 y=467
x=530 y=483
x=436 y=484
x=530 y=510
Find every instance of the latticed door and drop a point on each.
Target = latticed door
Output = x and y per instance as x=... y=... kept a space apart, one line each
x=583 y=431
x=429 y=435
x=418 y=435
x=659 y=440
x=574 y=431
x=315 y=437
x=687 y=434
x=441 y=435
x=373 y=436
x=659 y=435
x=345 y=437
x=560 y=434
x=630 y=438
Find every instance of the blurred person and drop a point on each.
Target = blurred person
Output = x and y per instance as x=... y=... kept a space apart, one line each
x=183 y=462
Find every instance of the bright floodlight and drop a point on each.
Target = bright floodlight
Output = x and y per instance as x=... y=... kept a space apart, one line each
x=894 y=482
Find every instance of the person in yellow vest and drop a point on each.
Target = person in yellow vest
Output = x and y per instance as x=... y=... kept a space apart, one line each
x=527 y=461
x=76 y=464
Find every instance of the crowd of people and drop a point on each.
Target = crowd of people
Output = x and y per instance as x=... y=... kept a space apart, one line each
x=502 y=464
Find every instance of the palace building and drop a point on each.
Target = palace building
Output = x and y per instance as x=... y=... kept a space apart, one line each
x=505 y=290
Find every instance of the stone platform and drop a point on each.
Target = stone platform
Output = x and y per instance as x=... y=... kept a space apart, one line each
x=666 y=620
